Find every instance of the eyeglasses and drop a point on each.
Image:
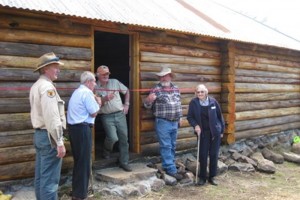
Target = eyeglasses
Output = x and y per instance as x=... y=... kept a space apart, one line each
x=200 y=92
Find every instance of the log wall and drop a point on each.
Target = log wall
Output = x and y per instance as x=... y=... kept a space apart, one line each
x=193 y=62
x=22 y=40
x=267 y=90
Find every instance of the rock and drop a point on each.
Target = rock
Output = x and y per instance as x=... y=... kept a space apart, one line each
x=266 y=166
x=241 y=167
x=291 y=157
x=169 y=180
x=270 y=155
x=296 y=148
x=157 y=185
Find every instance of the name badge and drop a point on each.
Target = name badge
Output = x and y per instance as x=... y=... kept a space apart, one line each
x=214 y=107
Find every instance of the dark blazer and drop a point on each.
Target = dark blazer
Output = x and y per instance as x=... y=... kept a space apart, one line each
x=216 y=121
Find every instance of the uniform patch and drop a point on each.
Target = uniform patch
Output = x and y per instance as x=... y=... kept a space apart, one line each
x=51 y=93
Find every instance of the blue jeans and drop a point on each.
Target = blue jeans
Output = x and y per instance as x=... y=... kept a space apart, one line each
x=115 y=127
x=47 y=167
x=167 y=134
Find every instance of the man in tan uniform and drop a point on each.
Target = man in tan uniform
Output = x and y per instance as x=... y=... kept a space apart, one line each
x=48 y=119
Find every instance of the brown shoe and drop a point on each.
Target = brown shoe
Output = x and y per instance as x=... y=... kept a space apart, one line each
x=177 y=176
x=125 y=167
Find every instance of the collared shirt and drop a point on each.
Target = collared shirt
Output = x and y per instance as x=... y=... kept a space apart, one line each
x=204 y=102
x=47 y=109
x=82 y=105
x=112 y=86
x=167 y=104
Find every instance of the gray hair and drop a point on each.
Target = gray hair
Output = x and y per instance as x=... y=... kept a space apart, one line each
x=201 y=87
x=86 y=76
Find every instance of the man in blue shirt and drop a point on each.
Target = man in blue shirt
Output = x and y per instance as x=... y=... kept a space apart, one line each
x=82 y=110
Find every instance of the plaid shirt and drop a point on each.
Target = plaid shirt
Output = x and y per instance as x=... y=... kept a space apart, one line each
x=167 y=104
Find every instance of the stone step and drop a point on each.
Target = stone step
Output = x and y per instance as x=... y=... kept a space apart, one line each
x=118 y=176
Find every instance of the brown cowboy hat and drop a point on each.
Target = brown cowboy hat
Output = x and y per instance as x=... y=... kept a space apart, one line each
x=164 y=71
x=47 y=59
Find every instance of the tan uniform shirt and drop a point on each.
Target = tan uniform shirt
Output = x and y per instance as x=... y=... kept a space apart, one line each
x=113 y=86
x=47 y=109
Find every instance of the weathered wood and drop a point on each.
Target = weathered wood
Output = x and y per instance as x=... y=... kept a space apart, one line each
x=30 y=62
x=265 y=67
x=21 y=89
x=259 y=123
x=64 y=26
x=20 y=74
x=261 y=50
x=228 y=138
x=182 y=144
x=266 y=96
x=16 y=140
x=19 y=105
x=152 y=38
x=170 y=58
x=180 y=69
x=26 y=169
x=17 y=154
x=35 y=37
x=14 y=122
x=248 y=79
x=179 y=50
x=186 y=87
x=244 y=106
x=253 y=59
x=150 y=137
x=33 y=50
x=257 y=73
x=252 y=87
x=266 y=130
x=148 y=125
x=248 y=115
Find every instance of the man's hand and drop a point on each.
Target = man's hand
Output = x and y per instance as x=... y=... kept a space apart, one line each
x=151 y=98
x=61 y=151
x=126 y=108
x=198 y=130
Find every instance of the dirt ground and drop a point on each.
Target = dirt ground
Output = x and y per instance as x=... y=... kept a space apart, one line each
x=284 y=184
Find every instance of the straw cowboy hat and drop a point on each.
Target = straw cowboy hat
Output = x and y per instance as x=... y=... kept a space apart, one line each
x=47 y=59
x=103 y=70
x=164 y=71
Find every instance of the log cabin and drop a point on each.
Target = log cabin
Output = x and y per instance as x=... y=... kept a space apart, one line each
x=256 y=80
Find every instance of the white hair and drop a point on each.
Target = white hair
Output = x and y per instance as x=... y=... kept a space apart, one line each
x=201 y=87
x=86 y=76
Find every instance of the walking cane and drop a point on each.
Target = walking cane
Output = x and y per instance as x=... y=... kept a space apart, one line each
x=91 y=180
x=197 y=166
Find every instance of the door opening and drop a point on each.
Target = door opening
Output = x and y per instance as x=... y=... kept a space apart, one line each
x=112 y=50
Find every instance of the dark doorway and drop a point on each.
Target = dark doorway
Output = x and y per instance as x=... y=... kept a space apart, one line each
x=112 y=50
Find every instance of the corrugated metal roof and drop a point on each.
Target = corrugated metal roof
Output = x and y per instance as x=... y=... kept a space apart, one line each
x=201 y=17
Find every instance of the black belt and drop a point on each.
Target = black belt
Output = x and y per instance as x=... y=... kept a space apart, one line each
x=40 y=129
x=83 y=124
x=171 y=120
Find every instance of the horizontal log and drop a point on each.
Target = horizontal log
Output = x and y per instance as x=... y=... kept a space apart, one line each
x=21 y=89
x=169 y=58
x=266 y=130
x=181 y=144
x=252 y=87
x=15 y=133
x=267 y=64
x=248 y=79
x=265 y=67
x=17 y=154
x=186 y=87
x=244 y=106
x=15 y=122
x=26 y=169
x=151 y=76
x=60 y=25
x=180 y=68
x=34 y=50
x=16 y=140
x=35 y=37
x=266 y=96
x=179 y=50
x=152 y=38
x=266 y=51
x=148 y=125
x=150 y=137
x=259 y=123
x=30 y=63
x=257 y=114
x=228 y=138
x=20 y=74
x=257 y=73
